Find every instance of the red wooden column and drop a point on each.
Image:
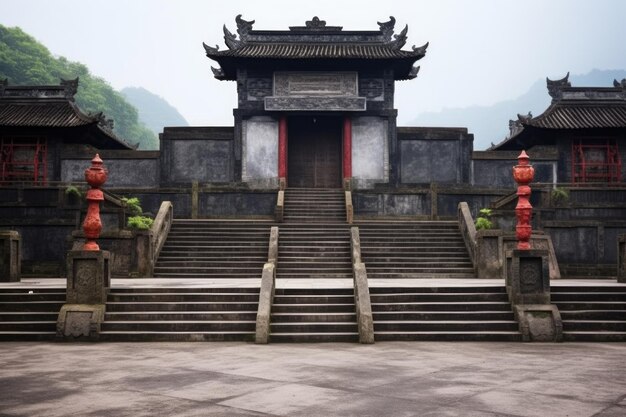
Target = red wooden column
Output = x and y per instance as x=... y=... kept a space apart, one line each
x=523 y=174
x=282 y=149
x=347 y=147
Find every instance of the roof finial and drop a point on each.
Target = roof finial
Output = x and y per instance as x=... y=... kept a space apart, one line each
x=386 y=28
x=555 y=86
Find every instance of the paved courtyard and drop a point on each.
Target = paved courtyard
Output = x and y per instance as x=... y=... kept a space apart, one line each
x=386 y=379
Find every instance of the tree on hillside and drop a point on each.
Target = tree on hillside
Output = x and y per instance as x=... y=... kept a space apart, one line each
x=23 y=60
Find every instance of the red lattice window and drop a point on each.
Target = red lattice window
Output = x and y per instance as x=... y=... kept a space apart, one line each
x=597 y=162
x=23 y=159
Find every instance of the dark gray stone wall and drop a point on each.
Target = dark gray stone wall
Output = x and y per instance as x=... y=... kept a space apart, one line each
x=131 y=172
x=494 y=168
x=196 y=154
x=387 y=204
x=236 y=204
x=434 y=155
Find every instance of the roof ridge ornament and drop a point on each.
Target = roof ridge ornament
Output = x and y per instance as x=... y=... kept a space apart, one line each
x=524 y=119
x=399 y=39
x=231 y=39
x=210 y=50
x=616 y=84
x=243 y=27
x=555 y=87
x=422 y=49
x=315 y=23
x=386 y=28
x=413 y=72
x=71 y=87
x=218 y=72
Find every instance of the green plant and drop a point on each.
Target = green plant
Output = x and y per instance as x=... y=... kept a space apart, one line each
x=73 y=191
x=133 y=205
x=559 y=195
x=483 y=222
x=140 y=222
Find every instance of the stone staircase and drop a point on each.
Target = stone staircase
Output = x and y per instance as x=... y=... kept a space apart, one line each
x=471 y=313
x=309 y=250
x=420 y=249
x=29 y=314
x=314 y=205
x=214 y=249
x=592 y=313
x=314 y=315
x=181 y=314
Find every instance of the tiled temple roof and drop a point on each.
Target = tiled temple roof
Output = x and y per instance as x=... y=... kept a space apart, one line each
x=573 y=108
x=51 y=106
x=316 y=41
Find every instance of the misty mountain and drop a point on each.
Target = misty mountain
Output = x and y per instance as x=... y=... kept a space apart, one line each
x=491 y=123
x=154 y=111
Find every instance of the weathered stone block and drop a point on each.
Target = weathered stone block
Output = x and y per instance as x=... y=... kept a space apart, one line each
x=88 y=277
x=488 y=249
x=10 y=256
x=80 y=321
x=539 y=323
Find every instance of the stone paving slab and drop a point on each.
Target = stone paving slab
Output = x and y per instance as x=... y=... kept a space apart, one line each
x=334 y=379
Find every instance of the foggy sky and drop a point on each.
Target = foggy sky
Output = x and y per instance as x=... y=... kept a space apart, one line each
x=481 y=51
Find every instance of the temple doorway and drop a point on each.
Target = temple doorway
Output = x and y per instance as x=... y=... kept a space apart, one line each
x=314 y=151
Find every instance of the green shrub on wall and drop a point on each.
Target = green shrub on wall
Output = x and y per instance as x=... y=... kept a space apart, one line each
x=483 y=222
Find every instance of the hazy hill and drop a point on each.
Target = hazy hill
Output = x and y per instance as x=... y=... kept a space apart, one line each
x=491 y=123
x=24 y=60
x=154 y=111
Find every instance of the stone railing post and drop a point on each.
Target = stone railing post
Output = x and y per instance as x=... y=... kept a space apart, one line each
x=527 y=272
x=10 y=256
x=362 y=301
x=88 y=270
x=279 y=210
x=268 y=288
x=349 y=208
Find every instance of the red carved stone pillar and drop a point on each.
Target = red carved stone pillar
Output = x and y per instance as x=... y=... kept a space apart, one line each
x=282 y=147
x=347 y=147
x=96 y=175
x=523 y=174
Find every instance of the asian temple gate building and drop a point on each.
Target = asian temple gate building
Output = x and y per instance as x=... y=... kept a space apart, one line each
x=315 y=103
x=316 y=183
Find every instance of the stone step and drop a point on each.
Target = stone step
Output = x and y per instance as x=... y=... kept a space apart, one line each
x=199 y=306
x=410 y=326
x=325 y=299
x=594 y=325
x=588 y=296
x=438 y=306
x=27 y=336
x=303 y=317
x=440 y=297
x=445 y=336
x=165 y=325
x=31 y=306
x=334 y=337
x=313 y=327
x=46 y=326
x=313 y=308
x=178 y=336
x=12 y=316
x=593 y=315
x=237 y=315
x=594 y=336
x=589 y=305
x=471 y=315
x=183 y=297
x=31 y=297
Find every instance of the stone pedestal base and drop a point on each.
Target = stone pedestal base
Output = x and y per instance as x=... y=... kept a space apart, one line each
x=539 y=323
x=88 y=282
x=80 y=321
x=528 y=277
x=621 y=259
x=88 y=277
x=528 y=287
x=10 y=256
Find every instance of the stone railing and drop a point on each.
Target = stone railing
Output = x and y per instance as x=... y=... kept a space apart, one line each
x=279 y=210
x=361 y=290
x=268 y=287
x=349 y=207
x=150 y=242
x=468 y=229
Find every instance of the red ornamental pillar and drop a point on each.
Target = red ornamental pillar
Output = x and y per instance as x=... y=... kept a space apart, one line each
x=96 y=175
x=282 y=147
x=523 y=174
x=347 y=147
